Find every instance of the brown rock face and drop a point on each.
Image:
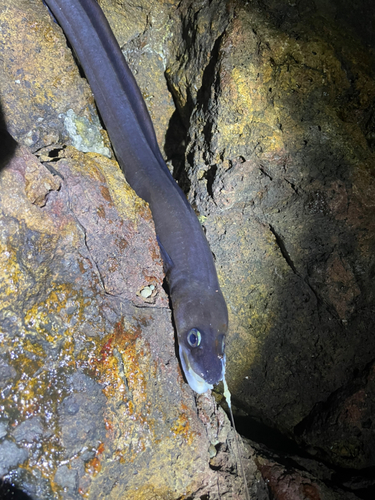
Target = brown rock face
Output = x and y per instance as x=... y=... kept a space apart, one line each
x=280 y=161
x=92 y=402
x=265 y=111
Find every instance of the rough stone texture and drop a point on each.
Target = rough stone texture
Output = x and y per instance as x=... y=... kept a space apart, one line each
x=143 y=28
x=35 y=111
x=280 y=153
x=28 y=430
x=3 y=429
x=345 y=422
x=91 y=387
x=10 y=456
x=289 y=483
x=90 y=380
x=274 y=105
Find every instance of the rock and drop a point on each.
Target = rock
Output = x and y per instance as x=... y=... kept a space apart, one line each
x=67 y=478
x=90 y=380
x=274 y=116
x=280 y=169
x=341 y=429
x=29 y=430
x=7 y=373
x=11 y=456
x=292 y=484
x=3 y=429
x=88 y=373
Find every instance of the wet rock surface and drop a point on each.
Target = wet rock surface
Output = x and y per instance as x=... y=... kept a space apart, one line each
x=92 y=399
x=272 y=116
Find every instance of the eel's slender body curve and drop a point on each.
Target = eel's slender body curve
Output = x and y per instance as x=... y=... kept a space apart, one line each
x=199 y=309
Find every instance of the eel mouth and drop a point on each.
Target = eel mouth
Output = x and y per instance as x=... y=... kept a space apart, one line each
x=196 y=382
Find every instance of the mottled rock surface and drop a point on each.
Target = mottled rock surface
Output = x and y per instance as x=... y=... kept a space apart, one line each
x=92 y=398
x=280 y=158
x=266 y=113
x=93 y=403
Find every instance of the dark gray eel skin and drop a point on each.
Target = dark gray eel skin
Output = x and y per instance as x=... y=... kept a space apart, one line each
x=199 y=309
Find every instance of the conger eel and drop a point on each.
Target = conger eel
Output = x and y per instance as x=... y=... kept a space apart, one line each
x=199 y=309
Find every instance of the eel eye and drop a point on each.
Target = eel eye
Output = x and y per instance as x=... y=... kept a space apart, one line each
x=194 y=337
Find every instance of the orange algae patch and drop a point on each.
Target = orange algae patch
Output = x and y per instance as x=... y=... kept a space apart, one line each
x=181 y=426
x=84 y=492
x=100 y=449
x=94 y=466
x=121 y=366
x=117 y=365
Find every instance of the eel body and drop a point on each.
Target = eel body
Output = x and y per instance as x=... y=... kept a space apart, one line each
x=199 y=309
